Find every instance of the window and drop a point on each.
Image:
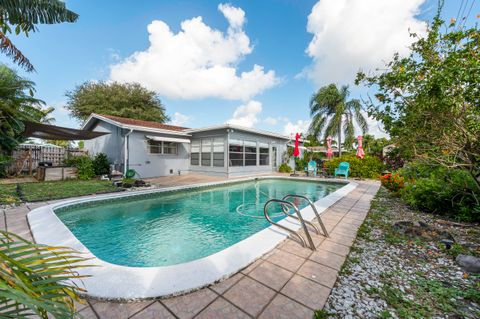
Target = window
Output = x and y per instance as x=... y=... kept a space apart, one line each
x=250 y=153
x=235 y=151
x=264 y=151
x=155 y=147
x=206 y=152
x=218 y=152
x=170 y=148
x=195 y=153
x=274 y=156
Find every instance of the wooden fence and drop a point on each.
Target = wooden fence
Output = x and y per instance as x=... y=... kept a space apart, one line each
x=26 y=157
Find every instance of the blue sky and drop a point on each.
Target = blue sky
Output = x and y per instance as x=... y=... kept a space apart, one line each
x=197 y=71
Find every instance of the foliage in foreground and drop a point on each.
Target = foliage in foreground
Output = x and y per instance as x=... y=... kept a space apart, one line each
x=429 y=101
x=368 y=167
x=37 y=279
x=437 y=189
x=129 y=100
x=22 y=17
x=8 y=194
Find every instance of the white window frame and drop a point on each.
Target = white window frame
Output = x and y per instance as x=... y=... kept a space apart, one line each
x=161 y=148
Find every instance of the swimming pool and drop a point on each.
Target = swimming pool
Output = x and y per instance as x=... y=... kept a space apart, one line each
x=173 y=228
x=163 y=242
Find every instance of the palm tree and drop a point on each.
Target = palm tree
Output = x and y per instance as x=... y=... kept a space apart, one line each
x=17 y=104
x=332 y=114
x=22 y=16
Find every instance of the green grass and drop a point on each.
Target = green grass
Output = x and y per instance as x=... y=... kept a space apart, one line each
x=8 y=194
x=33 y=192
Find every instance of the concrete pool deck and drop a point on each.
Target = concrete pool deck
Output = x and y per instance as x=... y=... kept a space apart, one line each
x=288 y=282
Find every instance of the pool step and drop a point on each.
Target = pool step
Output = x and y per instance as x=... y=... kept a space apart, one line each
x=286 y=205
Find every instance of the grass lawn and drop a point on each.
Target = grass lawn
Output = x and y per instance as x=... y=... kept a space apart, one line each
x=8 y=194
x=33 y=192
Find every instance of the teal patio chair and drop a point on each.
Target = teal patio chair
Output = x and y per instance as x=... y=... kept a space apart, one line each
x=342 y=169
x=311 y=168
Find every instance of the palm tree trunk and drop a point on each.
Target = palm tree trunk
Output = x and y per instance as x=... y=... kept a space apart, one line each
x=339 y=139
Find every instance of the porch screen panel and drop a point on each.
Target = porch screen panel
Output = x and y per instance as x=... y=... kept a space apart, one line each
x=195 y=153
x=250 y=153
x=206 y=152
x=235 y=152
x=218 y=152
x=264 y=151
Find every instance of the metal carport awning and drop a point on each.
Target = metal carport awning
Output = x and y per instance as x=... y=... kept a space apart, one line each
x=168 y=139
x=52 y=132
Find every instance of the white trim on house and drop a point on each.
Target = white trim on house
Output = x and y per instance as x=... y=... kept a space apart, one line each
x=168 y=139
x=131 y=127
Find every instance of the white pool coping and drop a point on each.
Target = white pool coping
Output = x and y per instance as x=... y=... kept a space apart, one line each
x=110 y=281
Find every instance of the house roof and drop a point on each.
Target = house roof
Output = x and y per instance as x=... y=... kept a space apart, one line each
x=149 y=126
x=238 y=128
x=142 y=123
x=133 y=124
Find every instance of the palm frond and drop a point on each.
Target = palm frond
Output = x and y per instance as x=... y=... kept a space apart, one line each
x=349 y=131
x=37 y=279
x=317 y=125
x=10 y=50
x=27 y=13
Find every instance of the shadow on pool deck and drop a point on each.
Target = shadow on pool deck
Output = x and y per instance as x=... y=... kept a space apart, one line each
x=289 y=282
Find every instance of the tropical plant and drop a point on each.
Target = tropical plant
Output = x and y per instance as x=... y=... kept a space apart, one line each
x=22 y=16
x=101 y=166
x=429 y=101
x=84 y=164
x=441 y=190
x=333 y=114
x=129 y=100
x=17 y=104
x=285 y=168
x=36 y=280
x=367 y=167
x=393 y=182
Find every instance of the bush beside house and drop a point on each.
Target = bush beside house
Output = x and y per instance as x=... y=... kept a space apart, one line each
x=368 y=167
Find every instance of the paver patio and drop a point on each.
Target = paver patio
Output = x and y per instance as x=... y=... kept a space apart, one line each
x=289 y=282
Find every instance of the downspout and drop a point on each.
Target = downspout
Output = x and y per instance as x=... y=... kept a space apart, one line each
x=125 y=152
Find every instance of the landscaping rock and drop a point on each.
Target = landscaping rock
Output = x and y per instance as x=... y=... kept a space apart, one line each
x=469 y=263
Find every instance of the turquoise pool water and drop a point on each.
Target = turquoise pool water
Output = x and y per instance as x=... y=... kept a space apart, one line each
x=177 y=227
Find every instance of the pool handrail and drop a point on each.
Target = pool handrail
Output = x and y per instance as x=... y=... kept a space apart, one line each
x=315 y=211
x=284 y=203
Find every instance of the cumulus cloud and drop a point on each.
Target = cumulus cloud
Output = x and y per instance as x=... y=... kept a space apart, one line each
x=246 y=114
x=179 y=119
x=270 y=121
x=291 y=128
x=349 y=35
x=197 y=62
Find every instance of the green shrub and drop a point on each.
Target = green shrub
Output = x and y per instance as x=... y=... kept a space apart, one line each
x=4 y=163
x=284 y=168
x=441 y=190
x=368 y=167
x=84 y=164
x=101 y=166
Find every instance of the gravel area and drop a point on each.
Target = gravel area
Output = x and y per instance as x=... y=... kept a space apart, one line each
x=392 y=274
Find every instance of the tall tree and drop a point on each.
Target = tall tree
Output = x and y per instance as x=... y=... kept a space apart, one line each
x=22 y=16
x=429 y=101
x=17 y=104
x=126 y=100
x=333 y=114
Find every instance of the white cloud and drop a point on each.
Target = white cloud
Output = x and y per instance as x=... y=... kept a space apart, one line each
x=197 y=62
x=246 y=114
x=375 y=127
x=349 y=35
x=270 y=121
x=179 y=119
x=301 y=126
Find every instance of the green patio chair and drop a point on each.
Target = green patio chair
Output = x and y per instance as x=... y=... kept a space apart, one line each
x=311 y=168
x=342 y=169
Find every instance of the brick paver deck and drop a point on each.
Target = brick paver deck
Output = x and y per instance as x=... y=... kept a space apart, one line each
x=289 y=282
